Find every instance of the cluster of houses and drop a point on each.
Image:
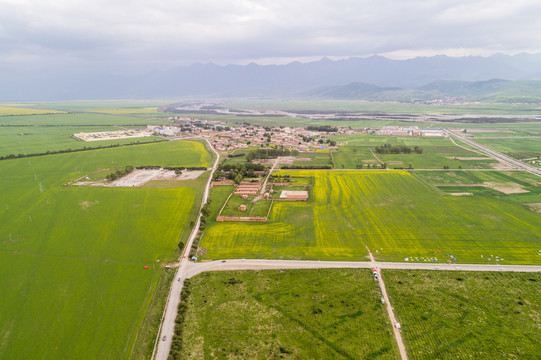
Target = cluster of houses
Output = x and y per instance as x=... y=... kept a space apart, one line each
x=409 y=131
x=226 y=138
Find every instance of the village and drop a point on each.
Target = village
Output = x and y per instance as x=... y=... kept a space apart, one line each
x=224 y=137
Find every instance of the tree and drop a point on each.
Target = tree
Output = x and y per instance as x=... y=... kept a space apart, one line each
x=178 y=171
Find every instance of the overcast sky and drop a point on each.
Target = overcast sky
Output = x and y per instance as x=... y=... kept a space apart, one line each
x=135 y=35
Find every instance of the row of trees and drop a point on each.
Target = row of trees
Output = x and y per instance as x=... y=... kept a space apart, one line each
x=308 y=167
x=269 y=153
x=370 y=166
x=17 y=156
x=237 y=172
x=326 y=128
x=397 y=149
x=176 y=345
x=119 y=173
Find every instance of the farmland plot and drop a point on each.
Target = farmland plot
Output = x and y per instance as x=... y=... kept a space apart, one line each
x=73 y=282
x=467 y=315
x=391 y=212
x=305 y=314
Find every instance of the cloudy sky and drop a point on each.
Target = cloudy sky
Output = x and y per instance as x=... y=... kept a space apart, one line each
x=135 y=35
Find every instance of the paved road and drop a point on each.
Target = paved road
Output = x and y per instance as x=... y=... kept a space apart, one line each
x=192 y=269
x=162 y=347
x=495 y=154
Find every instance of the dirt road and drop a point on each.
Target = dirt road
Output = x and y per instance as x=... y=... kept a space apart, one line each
x=390 y=311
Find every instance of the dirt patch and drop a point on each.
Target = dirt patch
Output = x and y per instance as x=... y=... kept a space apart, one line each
x=263 y=161
x=87 y=204
x=535 y=207
x=461 y=194
x=142 y=176
x=500 y=165
x=506 y=188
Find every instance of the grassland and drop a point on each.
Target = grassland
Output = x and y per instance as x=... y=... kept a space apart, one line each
x=73 y=283
x=79 y=119
x=516 y=147
x=467 y=315
x=40 y=139
x=255 y=209
x=437 y=153
x=297 y=314
x=388 y=107
x=17 y=110
x=98 y=105
x=391 y=212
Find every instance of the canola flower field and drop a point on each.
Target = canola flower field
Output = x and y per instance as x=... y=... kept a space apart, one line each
x=399 y=217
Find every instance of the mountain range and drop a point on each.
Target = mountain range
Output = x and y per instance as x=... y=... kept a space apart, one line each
x=494 y=90
x=443 y=75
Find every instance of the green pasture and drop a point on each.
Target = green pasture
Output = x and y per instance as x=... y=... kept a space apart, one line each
x=391 y=212
x=515 y=147
x=315 y=159
x=389 y=107
x=255 y=209
x=467 y=315
x=81 y=119
x=528 y=186
x=74 y=284
x=437 y=153
x=40 y=139
x=98 y=105
x=292 y=314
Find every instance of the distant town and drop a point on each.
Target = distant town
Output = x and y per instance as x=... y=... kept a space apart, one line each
x=224 y=137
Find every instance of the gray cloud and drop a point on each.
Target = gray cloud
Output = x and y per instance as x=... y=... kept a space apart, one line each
x=144 y=34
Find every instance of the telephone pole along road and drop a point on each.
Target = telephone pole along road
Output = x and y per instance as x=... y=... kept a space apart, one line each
x=163 y=341
x=390 y=312
x=189 y=269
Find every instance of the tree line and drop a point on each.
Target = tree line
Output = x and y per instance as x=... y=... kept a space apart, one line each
x=270 y=153
x=397 y=149
x=119 y=173
x=326 y=128
x=49 y=152
x=237 y=172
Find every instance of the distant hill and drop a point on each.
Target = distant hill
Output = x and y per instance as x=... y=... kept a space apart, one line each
x=396 y=79
x=495 y=90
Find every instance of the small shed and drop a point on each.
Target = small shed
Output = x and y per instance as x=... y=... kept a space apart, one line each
x=242 y=207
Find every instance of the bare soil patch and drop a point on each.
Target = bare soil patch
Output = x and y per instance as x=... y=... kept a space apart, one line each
x=284 y=160
x=142 y=176
x=461 y=194
x=535 y=207
x=506 y=188
x=87 y=204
